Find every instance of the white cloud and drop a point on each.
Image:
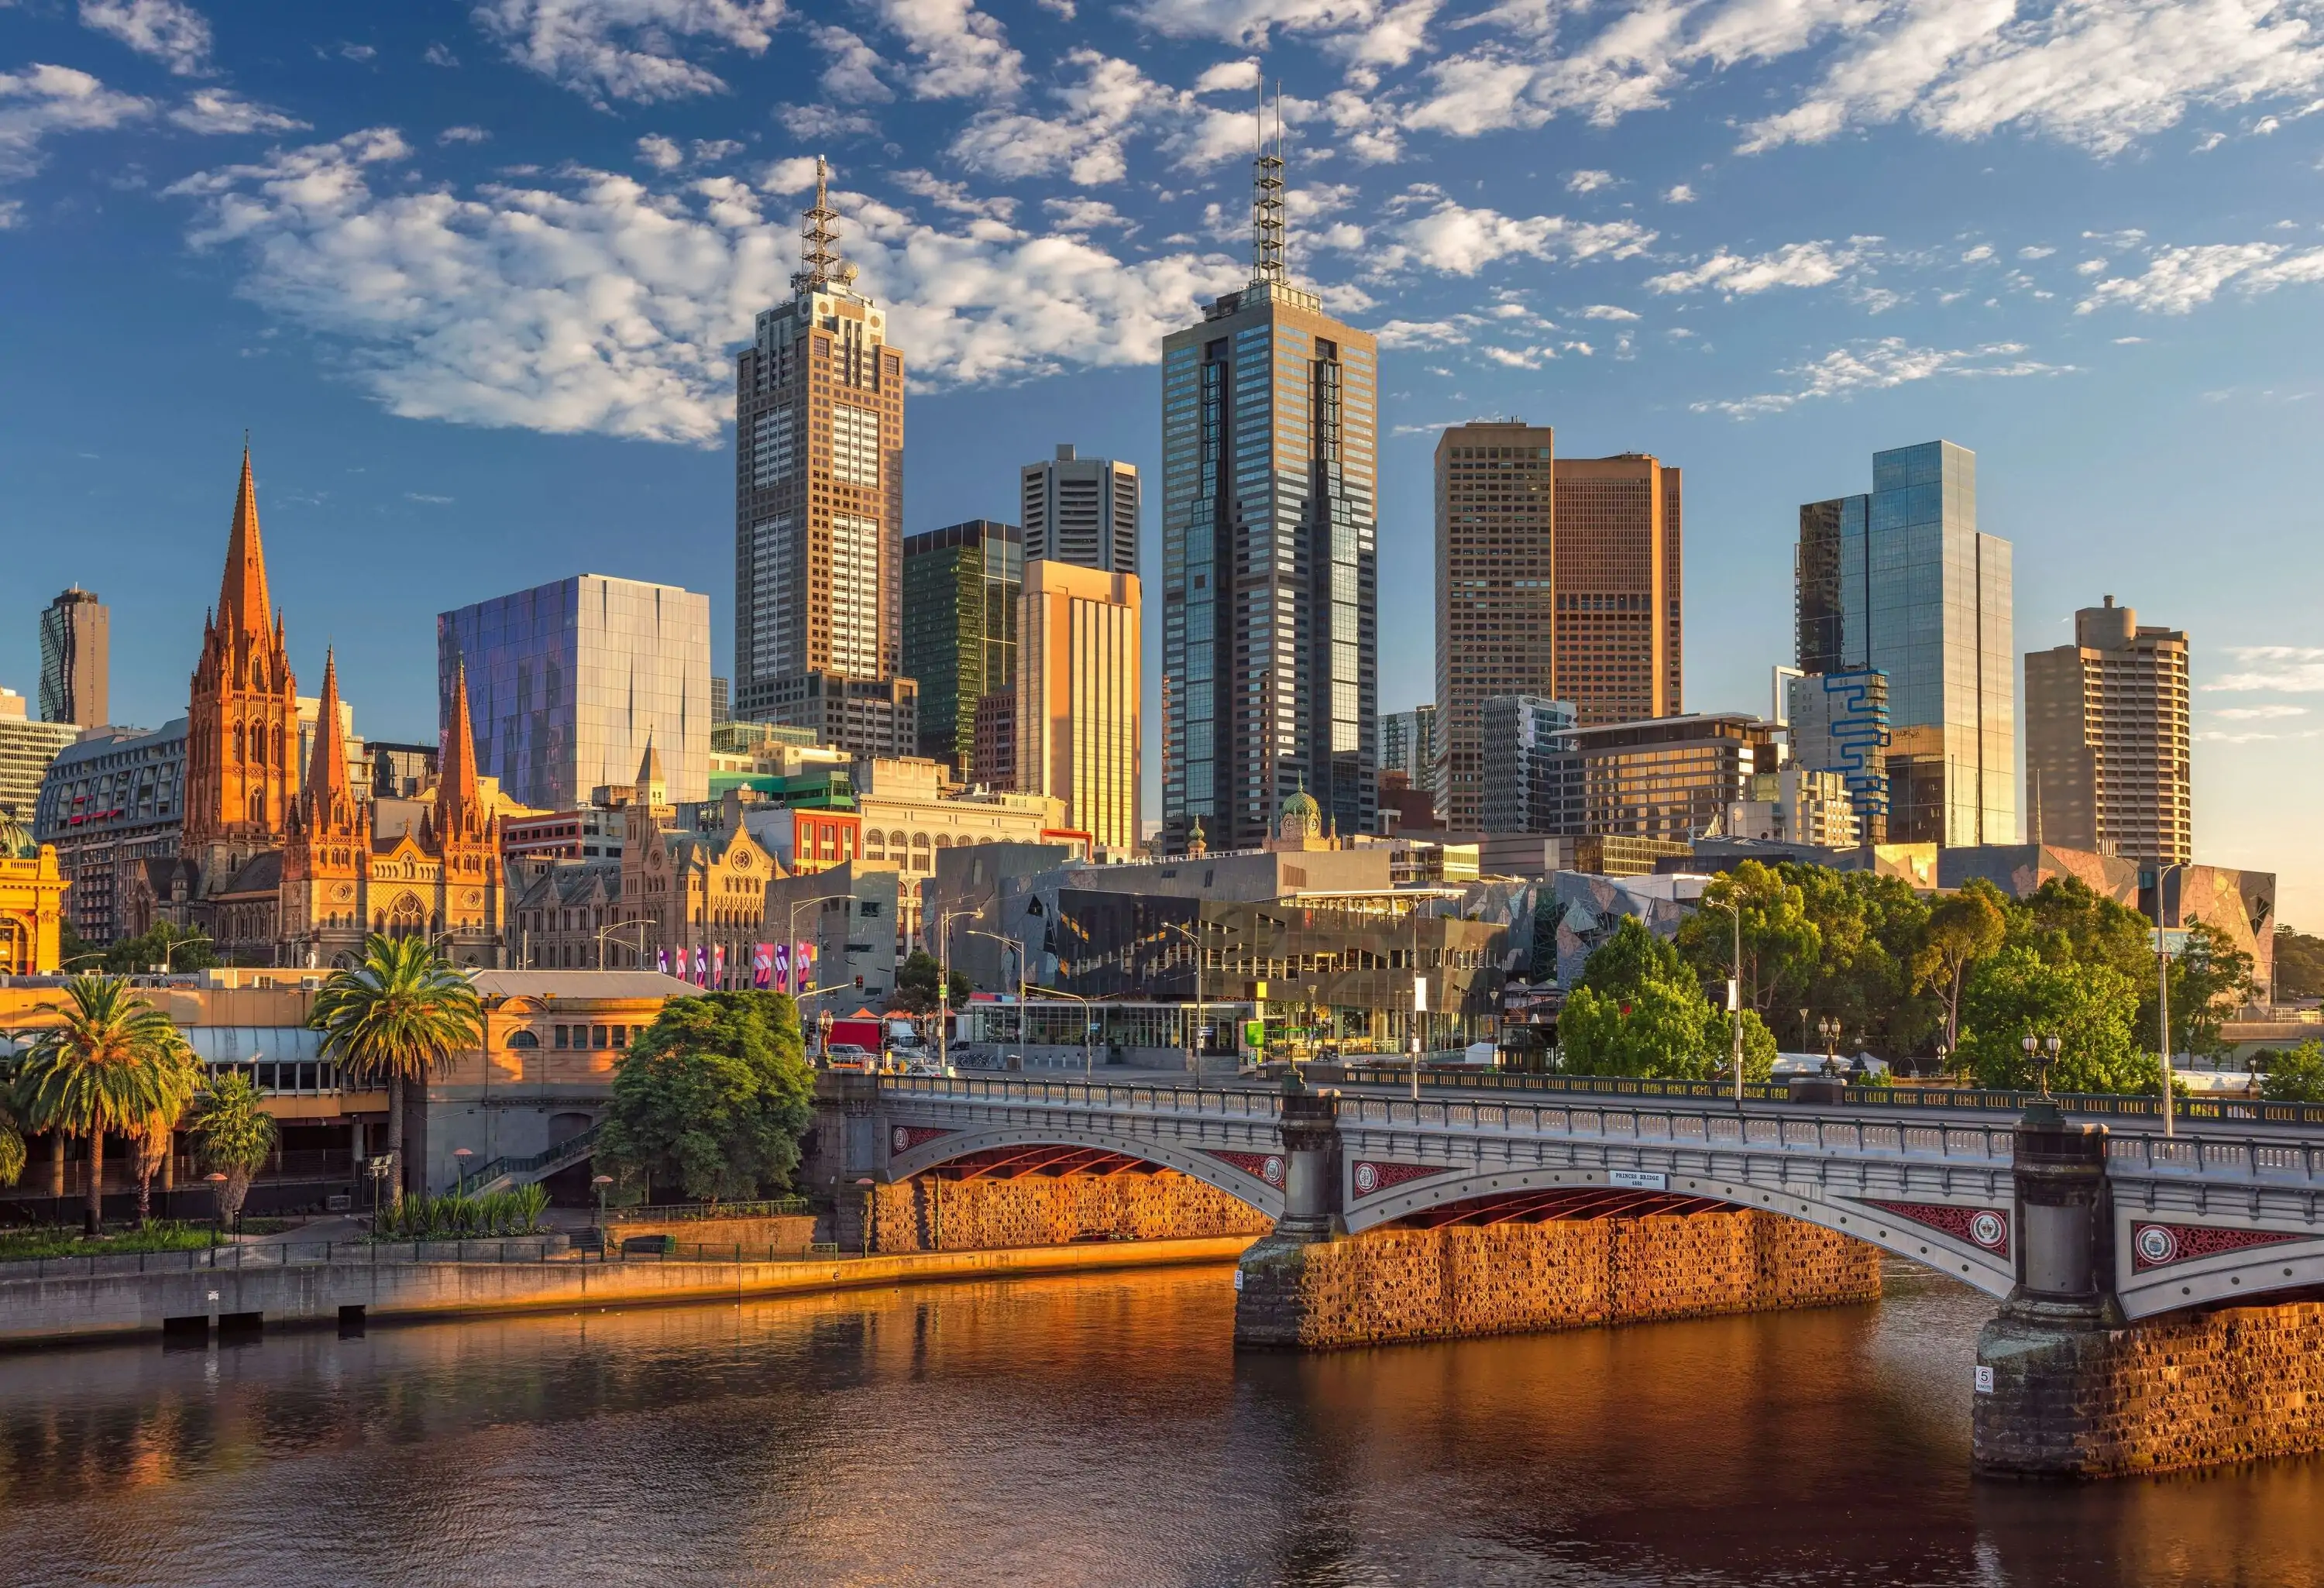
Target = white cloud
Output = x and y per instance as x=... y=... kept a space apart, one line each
x=961 y=52
x=1978 y=255
x=41 y=101
x=627 y=48
x=955 y=196
x=1588 y=182
x=429 y=498
x=1794 y=264
x=855 y=66
x=462 y=135
x=795 y=174
x=1872 y=365
x=822 y=123
x=217 y=111
x=660 y=153
x=1607 y=312
x=1250 y=22
x=439 y=55
x=170 y=31
x=2290 y=669
x=2259 y=714
x=1679 y=194
x=1088 y=214
x=2035 y=252
x=1425 y=333
x=1460 y=241
x=2177 y=280
x=606 y=304
x=1229 y=77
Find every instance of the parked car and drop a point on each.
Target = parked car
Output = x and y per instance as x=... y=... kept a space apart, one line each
x=846 y=1056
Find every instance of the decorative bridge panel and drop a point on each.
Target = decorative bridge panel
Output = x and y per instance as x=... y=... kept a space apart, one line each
x=2159 y=1246
x=1987 y=1227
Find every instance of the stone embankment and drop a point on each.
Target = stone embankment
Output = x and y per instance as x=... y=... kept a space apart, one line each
x=1397 y=1284
x=929 y=1213
x=2196 y=1391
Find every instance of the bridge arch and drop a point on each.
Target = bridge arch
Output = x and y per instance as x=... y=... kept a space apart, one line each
x=1942 y=1232
x=912 y=1150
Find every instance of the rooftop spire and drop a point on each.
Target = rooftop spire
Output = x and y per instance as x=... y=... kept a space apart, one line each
x=327 y=775
x=819 y=263
x=456 y=779
x=242 y=593
x=650 y=768
x=1266 y=195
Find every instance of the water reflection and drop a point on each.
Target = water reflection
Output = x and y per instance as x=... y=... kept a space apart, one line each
x=1095 y=1430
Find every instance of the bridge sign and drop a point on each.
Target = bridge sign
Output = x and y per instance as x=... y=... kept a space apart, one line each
x=1637 y=1179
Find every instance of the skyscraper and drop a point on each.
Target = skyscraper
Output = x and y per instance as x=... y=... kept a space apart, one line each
x=819 y=505
x=1620 y=634
x=1902 y=580
x=2106 y=739
x=1408 y=744
x=569 y=683
x=1496 y=545
x=1838 y=724
x=76 y=633
x=961 y=588
x=1083 y=511
x=1077 y=698
x=1523 y=741
x=27 y=749
x=1271 y=643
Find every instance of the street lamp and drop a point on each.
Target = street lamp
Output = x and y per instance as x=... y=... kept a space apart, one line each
x=601 y=1182
x=1827 y=1029
x=1734 y=907
x=1194 y=1037
x=792 y=941
x=2041 y=1052
x=944 y=919
x=1019 y=948
x=2163 y=991
x=618 y=926
x=464 y=1155
x=1089 y=1027
x=868 y=1185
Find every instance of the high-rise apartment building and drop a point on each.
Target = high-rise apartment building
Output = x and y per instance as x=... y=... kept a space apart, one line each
x=1496 y=546
x=1619 y=624
x=113 y=803
x=961 y=589
x=1670 y=780
x=1078 y=698
x=819 y=503
x=1901 y=581
x=1523 y=738
x=26 y=749
x=1271 y=643
x=1083 y=511
x=76 y=641
x=1408 y=744
x=1839 y=722
x=1556 y=579
x=569 y=683
x=2106 y=738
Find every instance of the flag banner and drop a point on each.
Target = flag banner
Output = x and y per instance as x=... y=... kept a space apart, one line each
x=718 y=966
x=701 y=966
x=782 y=967
x=662 y=960
x=762 y=966
x=803 y=965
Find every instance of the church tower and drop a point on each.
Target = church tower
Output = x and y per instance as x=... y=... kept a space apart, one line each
x=467 y=836
x=241 y=727
x=326 y=860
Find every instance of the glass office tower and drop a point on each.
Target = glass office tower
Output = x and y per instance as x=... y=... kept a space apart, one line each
x=961 y=586
x=1901 y=580
x=569 y=682
x=1270 y=644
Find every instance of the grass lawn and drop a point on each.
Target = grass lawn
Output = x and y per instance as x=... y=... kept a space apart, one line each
x=64 y=1241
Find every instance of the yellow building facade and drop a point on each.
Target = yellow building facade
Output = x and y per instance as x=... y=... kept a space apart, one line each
x=31 y=909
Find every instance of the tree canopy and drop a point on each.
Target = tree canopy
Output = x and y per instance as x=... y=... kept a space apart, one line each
x=1640 y=1011
x=713 y=1097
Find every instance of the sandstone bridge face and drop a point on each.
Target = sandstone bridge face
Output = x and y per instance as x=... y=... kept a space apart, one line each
x=2195 y=1220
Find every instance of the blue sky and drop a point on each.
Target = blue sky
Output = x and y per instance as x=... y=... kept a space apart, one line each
x=471 y=275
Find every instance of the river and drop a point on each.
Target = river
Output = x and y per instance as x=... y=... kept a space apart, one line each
x=1072 y=1431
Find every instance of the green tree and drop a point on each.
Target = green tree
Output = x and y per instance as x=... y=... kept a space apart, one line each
x=1961 y=930
x=2299 y=965
x=2069 y=923
x=1781 y=946
x=1871 y=926
x=1630 y=959
x=2294 y=1075
x=713 y=1097
x=1639 y=1011
x=2088 y=1008
x=233 y=1135
x=2210 y=979
x=177 y=1076
x=395 y=1018
x=179 y=949
x=12 y=1134
x=104 y=1067
x=915 y=984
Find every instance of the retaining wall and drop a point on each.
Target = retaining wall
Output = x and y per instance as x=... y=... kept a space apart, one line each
x=927 y=1213
x=1394 y=1283
x=788 y=1235
x=2190 y=1391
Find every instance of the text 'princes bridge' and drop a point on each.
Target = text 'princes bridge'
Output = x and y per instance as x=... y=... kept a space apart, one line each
x=2156 y=1290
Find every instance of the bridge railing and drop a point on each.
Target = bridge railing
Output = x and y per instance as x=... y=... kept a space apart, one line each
x=1630 y=1123
x=2193 y=1110
x=1227 y=1102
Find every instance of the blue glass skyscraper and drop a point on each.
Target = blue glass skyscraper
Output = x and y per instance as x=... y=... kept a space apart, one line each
x=1901 y=580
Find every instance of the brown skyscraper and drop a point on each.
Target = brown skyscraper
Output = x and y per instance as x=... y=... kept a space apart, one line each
x=1496 y=569
x=1555 y=578
x=1618 y=651
x=819 y=507
x=75 y=638
x=2106 y=739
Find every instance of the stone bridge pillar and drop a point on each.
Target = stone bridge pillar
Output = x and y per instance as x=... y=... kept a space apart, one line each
x=846 y=1142
x=1271 y=1302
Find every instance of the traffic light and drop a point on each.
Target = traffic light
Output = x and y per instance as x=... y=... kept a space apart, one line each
x=859 y=983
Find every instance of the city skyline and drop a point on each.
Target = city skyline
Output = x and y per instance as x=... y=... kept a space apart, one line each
x=2085 y=497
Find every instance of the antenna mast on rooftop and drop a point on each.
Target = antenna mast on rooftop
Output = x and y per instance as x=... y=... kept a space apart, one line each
x=819 y=262
x=1266 y=195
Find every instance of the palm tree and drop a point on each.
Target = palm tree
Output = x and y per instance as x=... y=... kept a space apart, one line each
x=395 y=1018
x=233 y=1135
x=12 y=1135
x=105 y=1066
x=179 y=1077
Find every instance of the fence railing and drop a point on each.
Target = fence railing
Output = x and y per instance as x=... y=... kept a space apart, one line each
x=572 y=1150
x=321 y=1163
x=1244 y=1102
x=694 y=1212
x=529 y=1250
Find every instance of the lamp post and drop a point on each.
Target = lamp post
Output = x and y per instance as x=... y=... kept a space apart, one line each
x=1734 y=907
x=2162 y=993
x=600 y=1182
x=1827 y=1029
x=1019 y=948
x=462 y=1154
x=1089 y=1027
x=792 y=940
x=2041 y=1052
x=1194 y=1037
x=944 y=919
x=620 y=927
x=869 y=1185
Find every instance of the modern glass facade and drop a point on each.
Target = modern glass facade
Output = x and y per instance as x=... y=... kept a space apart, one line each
x=1523 y=736
x=1901 y=580
x=1408 y=744
x=1270 y=645
x=961 y=585
x=111 y=801
x=1839 y=724
x=569 y=682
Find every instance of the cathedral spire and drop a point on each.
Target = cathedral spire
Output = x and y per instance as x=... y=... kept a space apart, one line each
x=457 y=795
x=242 y=593
x=328 y=792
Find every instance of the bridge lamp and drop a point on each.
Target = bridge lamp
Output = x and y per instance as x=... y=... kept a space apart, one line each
x=601 y=1182
x=867 y=1182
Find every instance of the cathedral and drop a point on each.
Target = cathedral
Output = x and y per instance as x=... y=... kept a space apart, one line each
x=281 y=873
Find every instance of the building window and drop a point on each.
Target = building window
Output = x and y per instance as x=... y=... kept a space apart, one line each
x=597 y=1036
x=559 y=1036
